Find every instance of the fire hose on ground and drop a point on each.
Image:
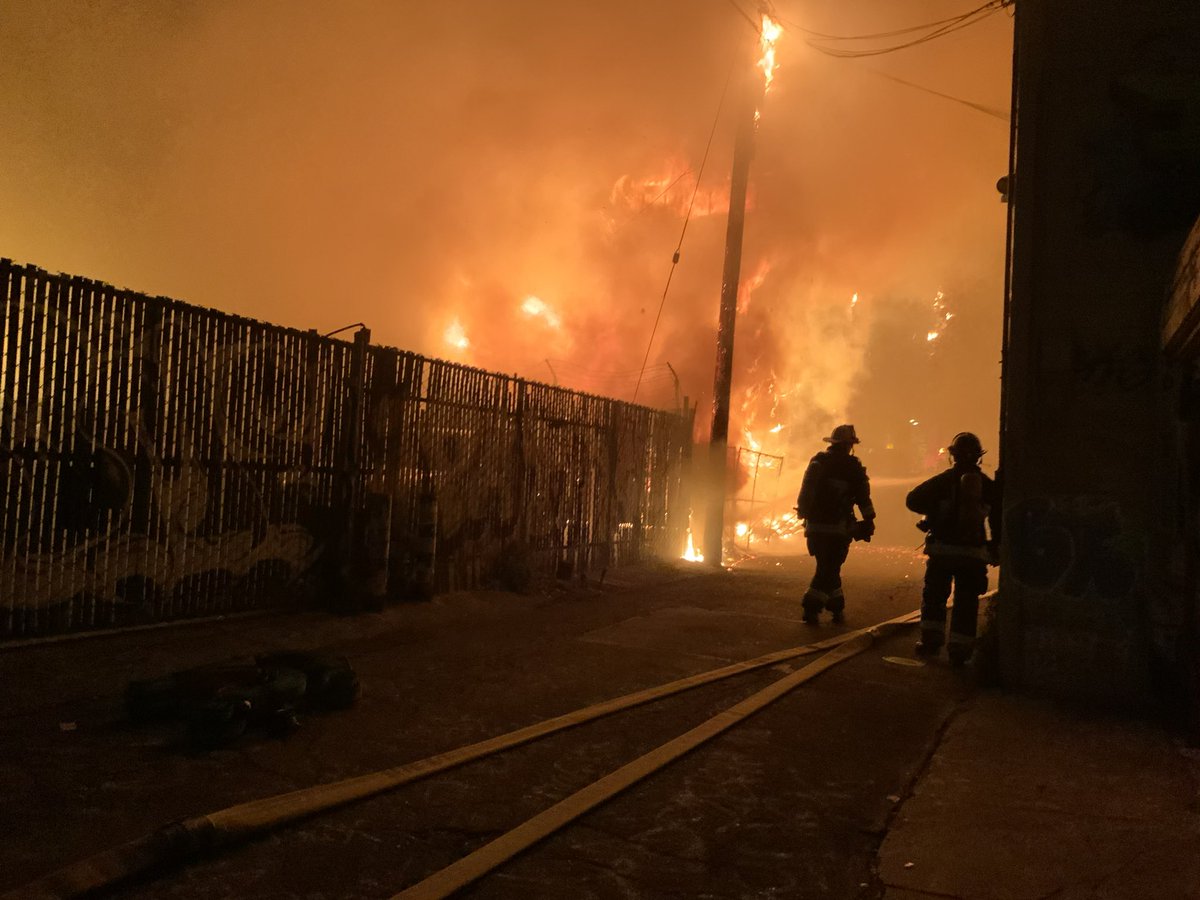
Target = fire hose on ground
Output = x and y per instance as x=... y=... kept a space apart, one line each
x=188 y=839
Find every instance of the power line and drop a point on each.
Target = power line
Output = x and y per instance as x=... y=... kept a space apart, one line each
x=1000 y=114
x=971 y=19
x=686 y=219
x=897 y=32
x=745 y=15
x=942 y=27
x=880 y=51
x=678 y=178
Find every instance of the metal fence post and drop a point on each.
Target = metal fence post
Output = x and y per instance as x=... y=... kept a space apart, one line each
x=350 y=474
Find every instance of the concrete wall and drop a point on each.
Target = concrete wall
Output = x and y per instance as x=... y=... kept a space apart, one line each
x=1177 y=610
x=1181 y=324
x=1104 y=191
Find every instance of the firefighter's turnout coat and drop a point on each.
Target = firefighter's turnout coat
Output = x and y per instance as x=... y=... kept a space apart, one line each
x=834 y=483
x=957 y=504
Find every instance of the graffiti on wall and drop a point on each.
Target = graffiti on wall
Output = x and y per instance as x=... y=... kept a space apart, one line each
x=162 y=460
x=1078 y=546
x=147 y=490
x=1114 y=368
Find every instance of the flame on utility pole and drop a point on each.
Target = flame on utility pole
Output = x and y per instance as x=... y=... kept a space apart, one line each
x=749 y=93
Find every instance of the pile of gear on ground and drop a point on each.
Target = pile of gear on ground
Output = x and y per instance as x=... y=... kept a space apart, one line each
x=221 y=703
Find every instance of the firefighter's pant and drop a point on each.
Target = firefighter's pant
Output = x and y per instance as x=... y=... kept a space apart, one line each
x=825 y=592
x=968 y=578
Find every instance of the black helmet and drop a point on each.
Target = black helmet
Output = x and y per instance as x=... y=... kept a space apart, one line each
x=966 y=444
x=843 y=434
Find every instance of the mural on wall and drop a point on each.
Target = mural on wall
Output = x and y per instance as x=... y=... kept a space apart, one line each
x=1078 y=546
x=153 y=480
x=161 y=460
x=520 y=467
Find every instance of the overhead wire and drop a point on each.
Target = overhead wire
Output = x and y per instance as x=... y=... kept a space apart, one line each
x=745 y=15
x=686 y=219
x=941 y=28
x=968 y=20
x=992 y=111
x=912 y=29
x=678 y=178
x=641 y=372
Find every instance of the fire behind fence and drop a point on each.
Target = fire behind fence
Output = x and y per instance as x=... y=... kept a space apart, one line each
x=163 y=461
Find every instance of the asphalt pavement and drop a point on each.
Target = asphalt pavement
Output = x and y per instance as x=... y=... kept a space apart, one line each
x=796 y=801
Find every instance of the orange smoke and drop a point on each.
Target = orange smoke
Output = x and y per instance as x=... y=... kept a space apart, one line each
x=452 y=169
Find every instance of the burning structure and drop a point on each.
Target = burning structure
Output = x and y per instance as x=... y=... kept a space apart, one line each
x=505 y=188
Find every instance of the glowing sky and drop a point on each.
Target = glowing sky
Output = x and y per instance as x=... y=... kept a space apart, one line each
x=417 y=165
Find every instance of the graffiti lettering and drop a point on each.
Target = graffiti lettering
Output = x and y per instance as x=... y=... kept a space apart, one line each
x=1114 y=369
x=1077 y=546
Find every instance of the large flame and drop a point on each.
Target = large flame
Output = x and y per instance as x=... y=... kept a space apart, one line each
x=516 y=171
x=771 y=30
x=752 y=284
x=671 y=189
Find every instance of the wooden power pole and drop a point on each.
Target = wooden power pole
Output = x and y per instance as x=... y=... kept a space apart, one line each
x=743 y=150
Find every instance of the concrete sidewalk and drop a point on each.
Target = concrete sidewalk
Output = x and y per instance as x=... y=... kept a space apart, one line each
x=1025 y=799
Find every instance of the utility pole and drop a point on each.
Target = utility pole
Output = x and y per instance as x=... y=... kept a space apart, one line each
x=748 y=95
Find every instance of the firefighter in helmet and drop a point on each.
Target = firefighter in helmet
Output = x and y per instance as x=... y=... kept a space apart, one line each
x=834 y=483
x=961 y=510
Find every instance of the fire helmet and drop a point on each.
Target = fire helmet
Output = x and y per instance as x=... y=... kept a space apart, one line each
x=966 y=444
x=843 y=434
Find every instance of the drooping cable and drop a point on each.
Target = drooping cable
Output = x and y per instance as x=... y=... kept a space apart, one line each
x=678 y=178
x=745 y=15
x=978 y=107
x=912 y=29
x=686 y=219
x=845 y=53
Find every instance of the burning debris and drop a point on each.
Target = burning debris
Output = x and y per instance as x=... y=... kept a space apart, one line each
x=942 y=317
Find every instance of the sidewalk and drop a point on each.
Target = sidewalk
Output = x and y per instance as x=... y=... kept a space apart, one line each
x=1024 y=799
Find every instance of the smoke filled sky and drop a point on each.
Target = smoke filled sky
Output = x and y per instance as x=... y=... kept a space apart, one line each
x=427 y=168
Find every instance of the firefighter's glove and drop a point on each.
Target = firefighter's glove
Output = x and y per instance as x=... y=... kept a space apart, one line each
x=923 y=525
x=864 y=530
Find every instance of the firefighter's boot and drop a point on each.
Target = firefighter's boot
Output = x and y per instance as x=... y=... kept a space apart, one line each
x=931 y=641
x=814 y=602
x=959 y=650
x=836 y=604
